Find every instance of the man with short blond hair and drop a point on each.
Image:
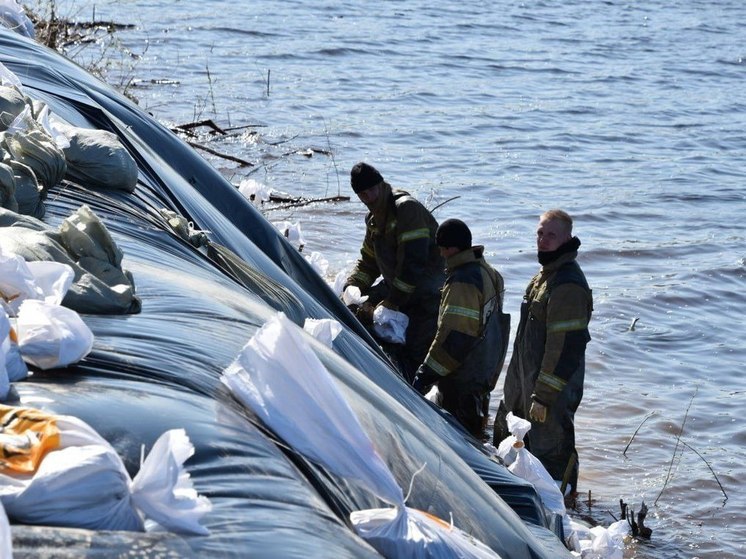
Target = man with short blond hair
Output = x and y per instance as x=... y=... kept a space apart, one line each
x=544 y=380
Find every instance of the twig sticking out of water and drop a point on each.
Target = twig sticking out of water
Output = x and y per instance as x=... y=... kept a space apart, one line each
x=444 y=203
x=676 y=448
x=648 y=416
x=710 y=467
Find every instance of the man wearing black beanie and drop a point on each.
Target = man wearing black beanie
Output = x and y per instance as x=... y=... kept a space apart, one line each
x=399 y=245
x=467 y=354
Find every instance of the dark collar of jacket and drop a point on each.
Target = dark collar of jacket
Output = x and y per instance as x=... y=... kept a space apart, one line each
x=564 y=259
x=473 y=254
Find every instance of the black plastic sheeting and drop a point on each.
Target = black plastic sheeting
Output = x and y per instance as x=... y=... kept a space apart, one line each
x=160 y=369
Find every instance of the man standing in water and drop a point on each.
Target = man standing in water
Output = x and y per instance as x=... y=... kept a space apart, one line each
x=544 y=381
x=399 y=245
x=468 y=351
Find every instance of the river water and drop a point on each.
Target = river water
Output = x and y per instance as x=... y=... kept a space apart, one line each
x=629 y=115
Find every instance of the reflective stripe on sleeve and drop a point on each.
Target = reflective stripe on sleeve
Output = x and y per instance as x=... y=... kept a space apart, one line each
x=465 y=312
x=550 y=380
x=414 y=234
x=403 y=286
x=567 y=325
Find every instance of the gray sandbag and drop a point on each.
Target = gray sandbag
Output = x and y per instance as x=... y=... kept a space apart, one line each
x=8 y=188
x=97 y=159
x=12 y=103
x=100 y=285
x=28 y=143
x=29 y=195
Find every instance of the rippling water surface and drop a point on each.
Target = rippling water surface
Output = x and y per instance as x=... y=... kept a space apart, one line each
x=629 y=115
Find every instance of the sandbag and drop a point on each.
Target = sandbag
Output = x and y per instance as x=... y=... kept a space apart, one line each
x=28 y=193
x=12 y=103
x=8 y=188
x=282 y=380
x=97 y=159
x=28 y=143
x=12 y=366
x=100 y=286
x=55 y=470
x=52 y=336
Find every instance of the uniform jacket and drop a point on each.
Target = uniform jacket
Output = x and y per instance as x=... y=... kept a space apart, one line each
x=553 y=332
x=471 y=295
x=400 y=245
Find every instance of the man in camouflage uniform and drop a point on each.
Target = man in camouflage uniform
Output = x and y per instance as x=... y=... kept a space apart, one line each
x=544 y=381
x=468 y=351
x=399 y=245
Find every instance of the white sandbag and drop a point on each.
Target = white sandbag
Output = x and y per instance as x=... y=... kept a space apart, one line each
x=352 y=296
x=12 y=366
x=390 y=325
x=527 y=466
x=279 y=377
x=254 y=191
x=318 y=262
x=324 y=329
x=282 y=381
x=51 y=336
x=163 y=490
x=57 y=471
x=414 y=534
x=292 y=232
x=52 y=278
x=97 y=159
x=6 y=540
x=17 y=282
x=605 y=544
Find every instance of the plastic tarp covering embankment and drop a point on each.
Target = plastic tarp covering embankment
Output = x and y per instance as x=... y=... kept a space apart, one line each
x=160 y=368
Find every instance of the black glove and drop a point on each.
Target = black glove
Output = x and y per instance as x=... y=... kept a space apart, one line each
x=424 y=379
x=364 y=314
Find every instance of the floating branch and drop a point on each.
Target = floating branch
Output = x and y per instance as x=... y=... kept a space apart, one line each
x=209 y=123
x=216 y=153
x=305 y=201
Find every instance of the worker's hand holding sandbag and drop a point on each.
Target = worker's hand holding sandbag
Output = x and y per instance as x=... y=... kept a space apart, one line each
x=424 y=379
x=538 y=412
x=55 y=470
x=390 y=325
